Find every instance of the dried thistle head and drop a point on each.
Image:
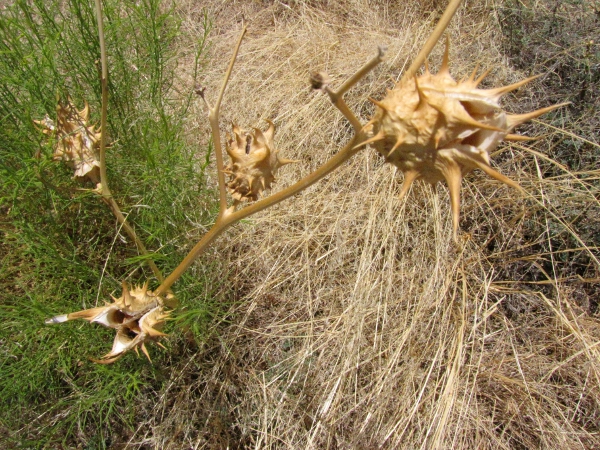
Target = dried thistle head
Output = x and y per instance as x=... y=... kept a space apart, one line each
x=77 y=142
x=138 y=316
x=435 y=128
x=254 y=162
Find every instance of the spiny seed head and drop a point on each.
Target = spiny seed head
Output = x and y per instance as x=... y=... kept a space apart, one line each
x=77 y=142
x=138 y=316
x=254 y=162
x=434 y=128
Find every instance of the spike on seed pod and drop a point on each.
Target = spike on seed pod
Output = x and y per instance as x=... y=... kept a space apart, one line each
x=77 y=142
x=254 y=162
x=138 y=316
x=434 y=128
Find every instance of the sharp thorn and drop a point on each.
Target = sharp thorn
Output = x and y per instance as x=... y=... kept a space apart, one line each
x=396 y=146
x=145 y=350
x=513 y=120
x=453 y=176
x=511 y=87
x=422 y=97
x=497 y=175
x=409 y=177
x=445 y=66
x=481 y=77
x=472 y=77
x=367 y=125
x=378 y=103
x=379 y=136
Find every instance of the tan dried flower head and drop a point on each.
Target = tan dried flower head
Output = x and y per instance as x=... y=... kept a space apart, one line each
x=138 y=316
x=254 y=162
x=77 y=142
x=434 y=128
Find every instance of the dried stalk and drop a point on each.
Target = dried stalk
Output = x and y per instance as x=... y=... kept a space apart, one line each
x=229 y=216
x=105 y=192
x=141 y=312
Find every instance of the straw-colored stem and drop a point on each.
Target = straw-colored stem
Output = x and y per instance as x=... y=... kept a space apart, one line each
x=105 y=190
x=433 y=39
x=213 y=118
x=337 y=96
x=103 y=116
x=230 y=217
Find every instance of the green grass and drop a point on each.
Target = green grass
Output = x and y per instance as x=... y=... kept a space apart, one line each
x=59 y=247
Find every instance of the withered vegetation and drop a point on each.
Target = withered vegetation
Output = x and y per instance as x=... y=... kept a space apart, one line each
x=358 y=322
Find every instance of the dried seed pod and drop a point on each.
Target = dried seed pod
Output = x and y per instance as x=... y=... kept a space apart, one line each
x=434 y=128
x=138 y=316
x=254 y=162
x=77 y=142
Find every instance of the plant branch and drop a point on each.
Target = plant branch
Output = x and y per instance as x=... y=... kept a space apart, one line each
x=105 y=192
x=432 y=40
x=228 y=217
x=213 y=118
x=337 y=96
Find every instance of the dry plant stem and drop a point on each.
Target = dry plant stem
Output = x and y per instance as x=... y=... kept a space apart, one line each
x=229 y=216
x=213 y=117
x=105 y=191
x=433 y=39
x=337 y=96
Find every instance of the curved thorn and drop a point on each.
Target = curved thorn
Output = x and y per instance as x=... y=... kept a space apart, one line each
x=270 y=133
x=378 y=103
x=497 y=175
x=511 y=87
x=367 y=125
x=482 y=76
x=472 y=76
x=422 y=97
x=453 y=176
x=396 y=146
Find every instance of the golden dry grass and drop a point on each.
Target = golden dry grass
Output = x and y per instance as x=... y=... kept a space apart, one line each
x=359 y=323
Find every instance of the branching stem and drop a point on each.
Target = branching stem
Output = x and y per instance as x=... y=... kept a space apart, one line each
x=337 y=96
x=231 y=217
x=228 y=217
x=213 y=118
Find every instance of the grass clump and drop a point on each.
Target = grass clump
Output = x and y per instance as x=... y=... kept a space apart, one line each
x=61 y=249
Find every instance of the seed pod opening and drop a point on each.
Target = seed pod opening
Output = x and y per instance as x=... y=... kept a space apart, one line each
x=77 y=142
x=138 y=316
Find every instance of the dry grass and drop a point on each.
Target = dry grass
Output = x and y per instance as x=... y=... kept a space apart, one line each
x=359 y=323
